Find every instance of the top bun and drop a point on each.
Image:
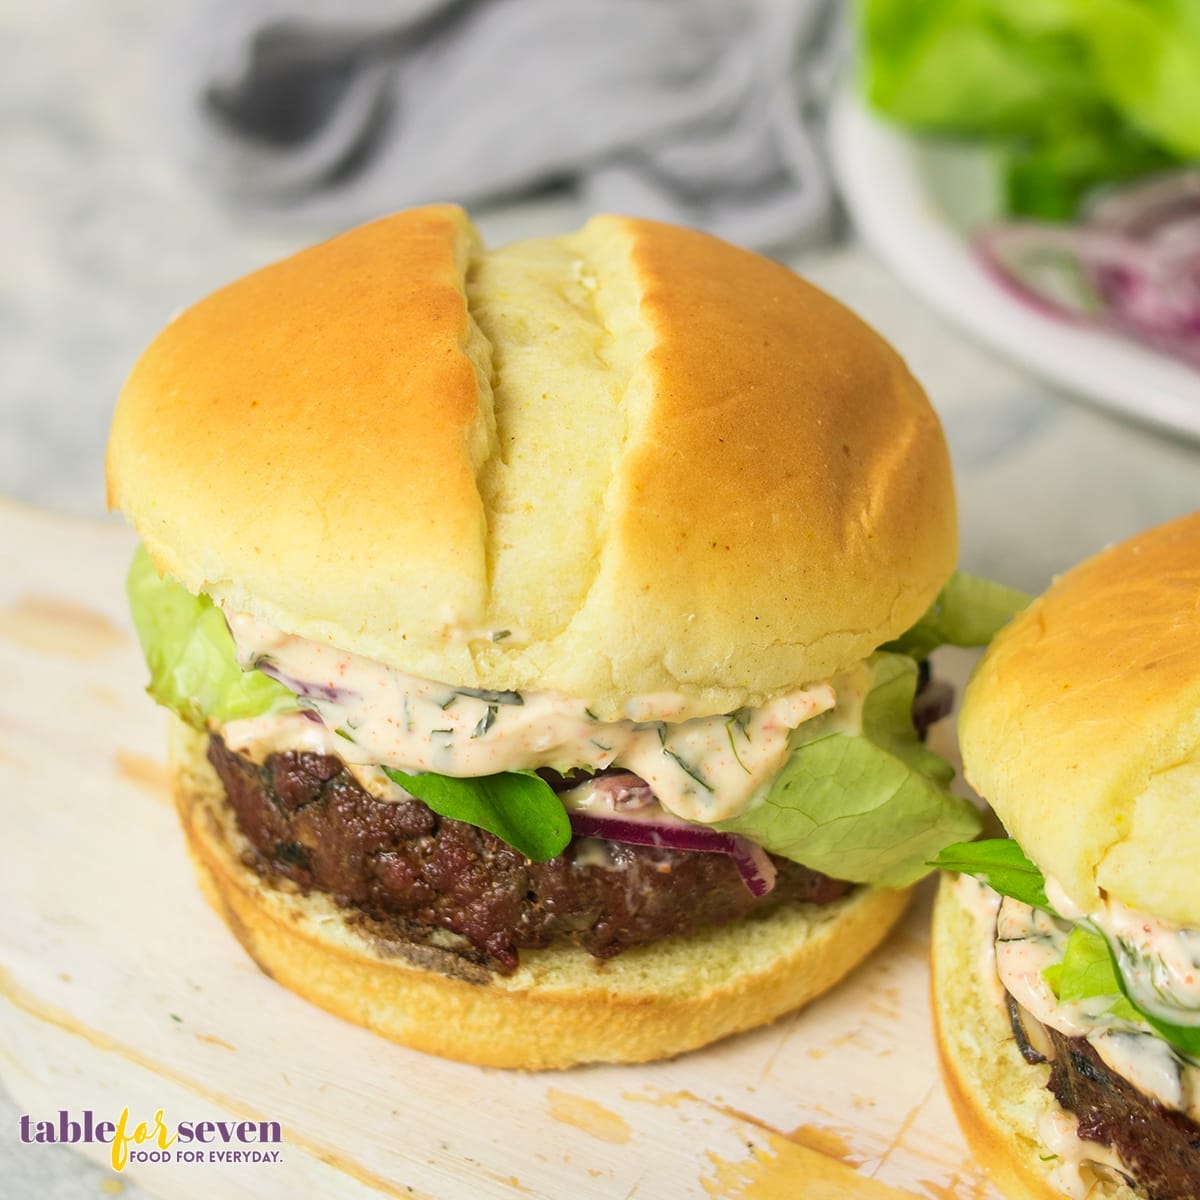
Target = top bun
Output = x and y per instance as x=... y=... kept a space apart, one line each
x=1081 y=726
x=630 y=460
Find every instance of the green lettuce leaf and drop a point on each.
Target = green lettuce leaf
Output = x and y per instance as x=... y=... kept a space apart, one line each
x=869 y=806
x=1089 y=966
x=519 y=807
x=1185 y=1038
x=1087 y=970
x=1002 y=865
x=968 y=611
x=1070 y=93
x=189 y=650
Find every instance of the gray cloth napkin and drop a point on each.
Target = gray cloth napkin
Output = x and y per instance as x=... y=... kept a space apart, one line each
x=329 y=112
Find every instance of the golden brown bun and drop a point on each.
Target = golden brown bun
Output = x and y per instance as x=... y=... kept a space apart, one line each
x=647 y=460
x=562 y=1006
x=1082 y=726
x=997 y=1096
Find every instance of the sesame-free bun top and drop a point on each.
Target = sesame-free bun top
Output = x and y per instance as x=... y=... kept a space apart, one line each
x=630 y=460
x=1081 y=726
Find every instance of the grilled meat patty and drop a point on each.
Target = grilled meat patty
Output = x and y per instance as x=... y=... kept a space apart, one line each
x=417 y=875
x=1160 y=1148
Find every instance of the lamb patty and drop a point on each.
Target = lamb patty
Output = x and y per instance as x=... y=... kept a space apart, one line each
x=416 y=875
x=1160 y=1148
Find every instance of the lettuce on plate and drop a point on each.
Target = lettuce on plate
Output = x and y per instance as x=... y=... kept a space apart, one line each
x=1072 y=93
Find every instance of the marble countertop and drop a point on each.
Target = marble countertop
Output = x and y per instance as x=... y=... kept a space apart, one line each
x=105 y=240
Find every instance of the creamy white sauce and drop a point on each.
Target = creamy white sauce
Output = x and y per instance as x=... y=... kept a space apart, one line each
x=1074 y=1163
x=1151 y=1065
x=1074 y=1171
x=1019 y=943
x=257 y=738
x=702 y=769
x=1160 y=961
x=1060 y=901
x=1027 y=941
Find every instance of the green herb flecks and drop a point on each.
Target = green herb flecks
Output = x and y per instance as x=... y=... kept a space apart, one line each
x=687 y=769
x=486 y=721
x=491 y=697
x=690 y=771
x=729 y=727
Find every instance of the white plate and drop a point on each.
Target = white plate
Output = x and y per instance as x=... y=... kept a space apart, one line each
x=914 y=200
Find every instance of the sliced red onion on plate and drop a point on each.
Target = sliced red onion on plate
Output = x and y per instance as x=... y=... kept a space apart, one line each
x=1132 y=265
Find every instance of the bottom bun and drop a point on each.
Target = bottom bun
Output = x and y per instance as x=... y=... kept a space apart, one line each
x=561 y=1006
x=999 y=1098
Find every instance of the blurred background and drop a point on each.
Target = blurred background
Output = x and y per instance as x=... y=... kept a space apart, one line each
x=1008 y=189
x=154 y=151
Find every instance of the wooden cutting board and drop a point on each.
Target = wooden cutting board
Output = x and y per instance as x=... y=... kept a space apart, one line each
x=120 y=988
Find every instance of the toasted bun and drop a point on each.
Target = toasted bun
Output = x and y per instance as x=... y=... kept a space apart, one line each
x=641 y=459
x=1082 y=726
x=562 y=1006
x=998 y=1097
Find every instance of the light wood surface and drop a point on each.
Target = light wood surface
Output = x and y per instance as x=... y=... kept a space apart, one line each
x=119 y=987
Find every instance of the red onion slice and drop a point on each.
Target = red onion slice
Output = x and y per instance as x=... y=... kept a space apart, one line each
x=1147 y=203
x=753 y=863
x=1132 y=266
x=755 y=866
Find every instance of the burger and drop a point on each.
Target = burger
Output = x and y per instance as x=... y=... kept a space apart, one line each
x=543 y=628
x=1067 y=958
